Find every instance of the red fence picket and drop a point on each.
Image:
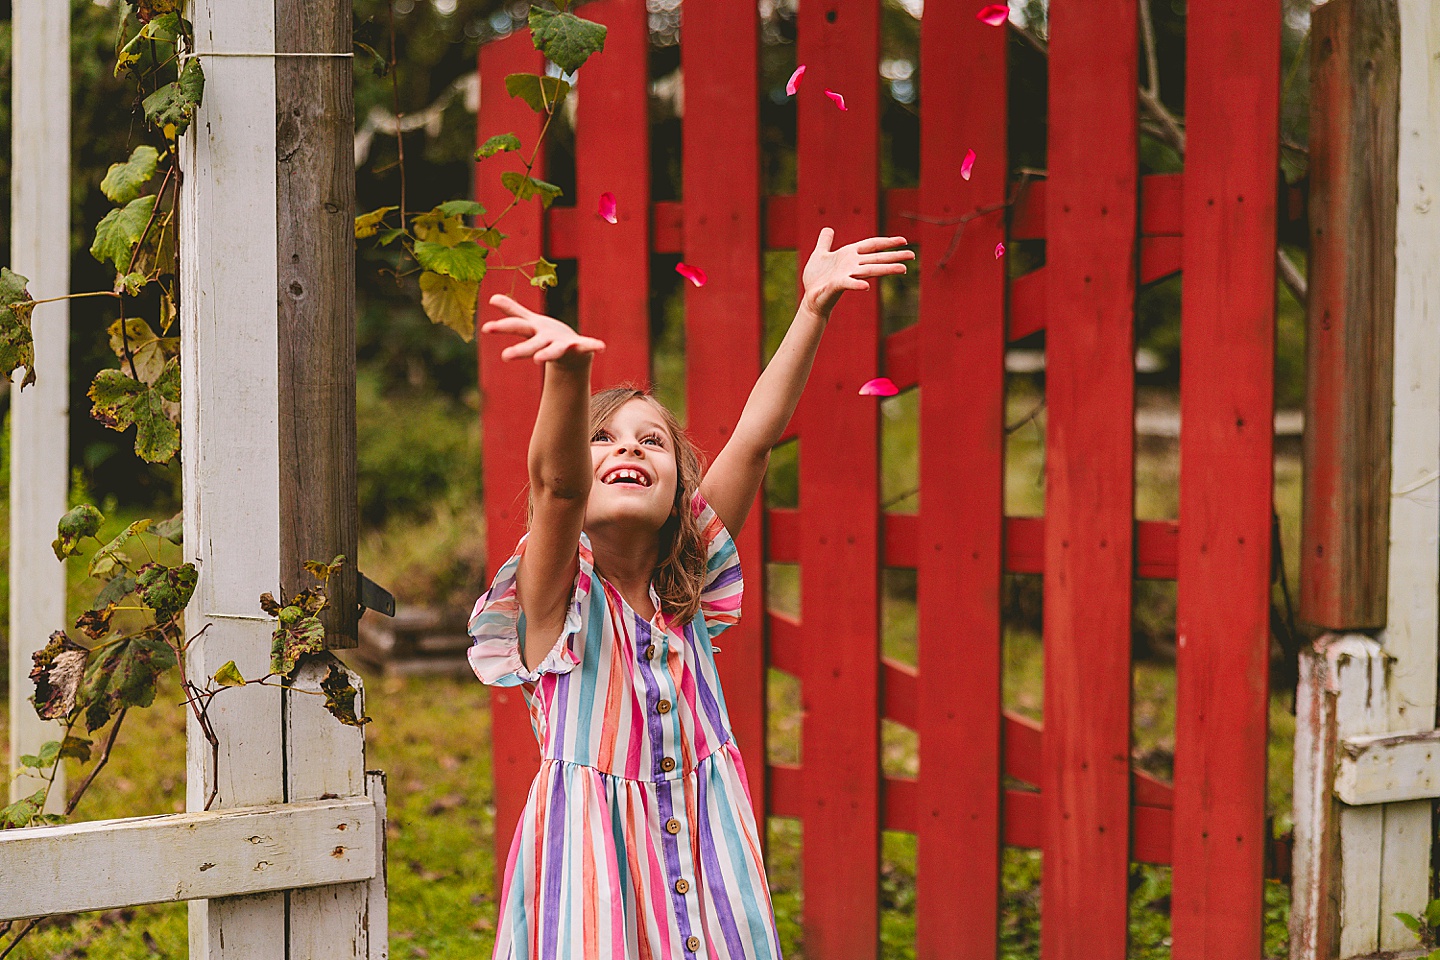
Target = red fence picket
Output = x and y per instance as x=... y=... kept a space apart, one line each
x=1108 y=230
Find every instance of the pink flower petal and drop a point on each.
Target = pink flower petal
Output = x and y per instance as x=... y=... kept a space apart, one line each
x=967 y=164
x=694 y=274
x=999 y=250
x=794 y=82
x=879 y=387
x=607 y=206
x=995 y=14
x=839 y=100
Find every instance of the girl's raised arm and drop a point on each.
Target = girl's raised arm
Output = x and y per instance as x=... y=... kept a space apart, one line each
x=733 y=480
x=559 y=466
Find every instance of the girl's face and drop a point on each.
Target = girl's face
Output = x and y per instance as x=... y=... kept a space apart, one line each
x=635 y=477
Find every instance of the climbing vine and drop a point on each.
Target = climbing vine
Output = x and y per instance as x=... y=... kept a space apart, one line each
x=91 y=674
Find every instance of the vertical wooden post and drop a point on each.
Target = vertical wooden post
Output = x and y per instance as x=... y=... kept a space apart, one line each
x=723 y=321
x=1410 y=635
x=1232 y=104
x=267 y=398
x=315 y=260
x=1354 y=107
x=612 y=153
x=839 y=179
x=511 y=393
x=1091 y=259
x=959 y=821
x=39 y=418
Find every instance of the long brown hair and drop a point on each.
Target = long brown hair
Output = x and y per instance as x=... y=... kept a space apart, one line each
x=680 y=571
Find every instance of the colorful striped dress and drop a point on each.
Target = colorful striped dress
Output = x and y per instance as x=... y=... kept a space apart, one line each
x=638 y=839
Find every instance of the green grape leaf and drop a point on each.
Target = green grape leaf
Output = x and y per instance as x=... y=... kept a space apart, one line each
x=17 y=347
x=296 y=635
x=1410 y=921
x=491 y=237
x=123 y=676
x=544 y=274
x=446 y=229
x=464 y=261
x=123 y=181
x=388 y=237
x=526 y=187
x=229 y=675
x=460 y=208
x=147 y=9
x=450 y=301
x=1432 y=913
x=541 y=94
x=368 y=224
x=111 y=548
x=113 y=592
x=166 y=590
x=57 y=671
x=172 y=529
x=500 y=143
x=324 y=571
x=152 y=45
x=49 y=752
x=76 y=748
x=172 y=107
x=80 y=522
x=340 y=697
x=130 y=283
x=150 y=353
x=120 y=401
x=21 y=812
x=566 y=40
x=117 y=234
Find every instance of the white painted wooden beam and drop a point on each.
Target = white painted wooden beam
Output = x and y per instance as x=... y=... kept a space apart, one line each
x=1410 y=636
x=39 y=417
x=107 y=864
x=1387 y=768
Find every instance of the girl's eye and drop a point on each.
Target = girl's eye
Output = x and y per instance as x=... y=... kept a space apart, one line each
x=655 y=440
x=602 y=435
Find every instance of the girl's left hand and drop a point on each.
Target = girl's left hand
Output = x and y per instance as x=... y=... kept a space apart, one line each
x=829 y=273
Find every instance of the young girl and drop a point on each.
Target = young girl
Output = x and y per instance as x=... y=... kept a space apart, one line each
x=638 y=839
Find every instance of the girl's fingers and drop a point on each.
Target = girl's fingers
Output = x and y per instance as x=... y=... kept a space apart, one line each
x=590 y=345
x=525 y=349
x=513 y=307
x=873 y=244
x=508 y=325
x=888 y=256
x=822 y=243
x=877 y=269
x=855 y=283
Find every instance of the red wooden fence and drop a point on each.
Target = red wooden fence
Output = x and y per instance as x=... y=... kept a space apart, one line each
x=1107 y=230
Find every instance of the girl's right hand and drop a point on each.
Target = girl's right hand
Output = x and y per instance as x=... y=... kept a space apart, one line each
x=549 y=339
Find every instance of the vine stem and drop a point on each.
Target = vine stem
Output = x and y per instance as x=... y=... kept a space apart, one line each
x=104 y=759
x=71 y=296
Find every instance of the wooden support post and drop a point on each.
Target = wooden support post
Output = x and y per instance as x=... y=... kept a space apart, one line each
x=267 y=401
x=39 y=418
x=1354 y=102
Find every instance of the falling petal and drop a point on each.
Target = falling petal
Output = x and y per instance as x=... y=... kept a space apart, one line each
x=967 y=165
x=995 y=14
x=839 y=100
x=879 y=387
x=607 y=206
x=794 y=83
x=694 y=274
x=999 y=250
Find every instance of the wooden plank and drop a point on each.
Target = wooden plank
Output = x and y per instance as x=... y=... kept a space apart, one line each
x=1092 y=226
x=1226 y=478
x=315 y=262
x=229 y=393
x=839 y=546
x=612 y=154
x=241 y=850
x=39 y=466
x=724 y=320
x=510 y=398
x=1410 y=635
x=960 y=541
x=1350 y=330
x=1390 y=767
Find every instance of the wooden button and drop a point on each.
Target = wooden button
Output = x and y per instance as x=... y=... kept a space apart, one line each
x=667 y=764
x=692 y=944
x=663 y=706
x=650 y=652
x=672 y=826
x=682 y=885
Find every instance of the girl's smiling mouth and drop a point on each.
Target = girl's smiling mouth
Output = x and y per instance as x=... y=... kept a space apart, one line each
x=626 y=474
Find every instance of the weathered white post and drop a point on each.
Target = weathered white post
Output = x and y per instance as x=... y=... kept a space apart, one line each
x=39 y=418
x=267 y=318
x=1367 y=751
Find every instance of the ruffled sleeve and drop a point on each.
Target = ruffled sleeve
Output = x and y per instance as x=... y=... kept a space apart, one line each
x=497 y=625
x=720 y=598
